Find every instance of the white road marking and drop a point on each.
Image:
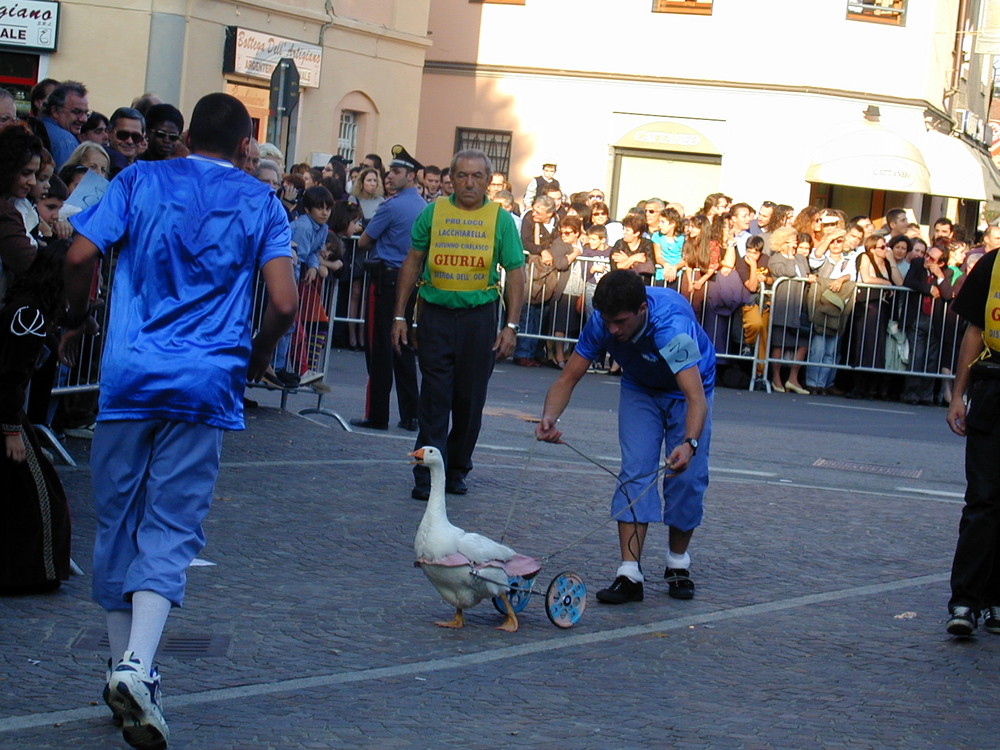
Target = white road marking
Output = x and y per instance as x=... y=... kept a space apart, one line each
x=852 y=491
x=507 y=655
x=939 y=493
x=744 y=472
x=859 y=408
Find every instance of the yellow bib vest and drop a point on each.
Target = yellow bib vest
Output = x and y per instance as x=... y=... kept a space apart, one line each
x=991 y=334
x=461 y=253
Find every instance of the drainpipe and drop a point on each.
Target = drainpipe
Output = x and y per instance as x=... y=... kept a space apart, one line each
x=956 y=56
x=328 y=7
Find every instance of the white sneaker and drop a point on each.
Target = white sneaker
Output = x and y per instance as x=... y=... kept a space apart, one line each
x=116 y=715
x=134 y=693
x=309 y=376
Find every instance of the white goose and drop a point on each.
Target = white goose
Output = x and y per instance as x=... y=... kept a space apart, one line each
x=448 y=555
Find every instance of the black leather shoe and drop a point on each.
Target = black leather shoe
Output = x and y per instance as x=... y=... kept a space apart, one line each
x=288 y=379
x=368 y=424
x=409 y=424
x=456 y=486
x=624 y=589
x=420 y=493
x=680 y=584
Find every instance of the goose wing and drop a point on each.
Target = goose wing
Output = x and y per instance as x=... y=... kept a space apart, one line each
x=480 y=549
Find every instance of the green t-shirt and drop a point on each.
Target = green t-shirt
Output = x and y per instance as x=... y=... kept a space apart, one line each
x=507 y=252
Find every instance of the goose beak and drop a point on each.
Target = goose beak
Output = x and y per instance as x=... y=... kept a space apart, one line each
x=418 y=455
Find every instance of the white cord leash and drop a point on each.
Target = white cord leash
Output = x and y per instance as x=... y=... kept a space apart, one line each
x=661 y=469
x=519 y=491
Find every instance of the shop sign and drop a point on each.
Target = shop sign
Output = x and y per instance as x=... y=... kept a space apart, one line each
x=663 y=135
x=29 y=25
x=254 y=54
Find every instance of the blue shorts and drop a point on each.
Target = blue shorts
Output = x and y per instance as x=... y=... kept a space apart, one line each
x=153 y=482
x=649 y=428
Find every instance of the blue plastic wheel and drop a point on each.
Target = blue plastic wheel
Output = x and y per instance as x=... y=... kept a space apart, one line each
x=566 y=599
x=518 y=594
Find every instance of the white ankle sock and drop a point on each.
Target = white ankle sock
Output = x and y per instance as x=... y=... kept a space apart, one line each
x=682 y=562
x=119 y=626
x=149 y=617
x=630 y=569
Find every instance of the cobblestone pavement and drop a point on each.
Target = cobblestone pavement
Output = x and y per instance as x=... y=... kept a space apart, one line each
x=818 y=620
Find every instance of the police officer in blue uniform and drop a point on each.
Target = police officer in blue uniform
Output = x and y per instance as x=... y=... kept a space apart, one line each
x=387 y=236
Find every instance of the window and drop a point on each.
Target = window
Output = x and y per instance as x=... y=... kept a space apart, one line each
x=347 y=141
x=694 y=7
x=878 y=11
x=494 y=143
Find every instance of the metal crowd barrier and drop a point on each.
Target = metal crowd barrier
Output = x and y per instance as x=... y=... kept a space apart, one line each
x=305 y=349
x=83 y=378
x=924 y=335
x=891 y=330
x=887 y=330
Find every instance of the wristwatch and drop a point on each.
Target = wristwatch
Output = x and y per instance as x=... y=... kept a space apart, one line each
x=514 y=327
x=693 y=442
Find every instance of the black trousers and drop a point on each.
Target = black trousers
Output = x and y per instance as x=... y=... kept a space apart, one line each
x=975 y=571
x=455 y=350
x=383 y=363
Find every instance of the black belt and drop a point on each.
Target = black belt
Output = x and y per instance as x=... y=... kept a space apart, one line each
x=456 y=310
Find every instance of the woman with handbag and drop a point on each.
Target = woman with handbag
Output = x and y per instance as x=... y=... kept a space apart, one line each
x=789 y=330
x=872 y=313
x=830 y=304
x=566 y=309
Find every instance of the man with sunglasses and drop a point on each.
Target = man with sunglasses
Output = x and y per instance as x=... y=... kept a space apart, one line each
x=165 y=126
x=66 y=110
x=128 y=133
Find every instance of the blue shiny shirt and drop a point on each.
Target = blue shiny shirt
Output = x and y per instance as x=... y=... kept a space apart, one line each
x=671 y=341
x=391 y=224
x=63 y=142
x=192 y=234
x=309 y=238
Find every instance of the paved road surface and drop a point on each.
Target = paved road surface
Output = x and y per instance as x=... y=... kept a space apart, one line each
x=818 y=620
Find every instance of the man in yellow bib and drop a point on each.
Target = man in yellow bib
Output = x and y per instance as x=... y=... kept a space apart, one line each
x=458 y=245
x=975 y=414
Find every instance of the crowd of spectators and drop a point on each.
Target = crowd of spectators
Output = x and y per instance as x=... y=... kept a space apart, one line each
x=812 y=301
x=837 y=304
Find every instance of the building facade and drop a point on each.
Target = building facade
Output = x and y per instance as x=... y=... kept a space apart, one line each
x=860 y=105
x=360 y=62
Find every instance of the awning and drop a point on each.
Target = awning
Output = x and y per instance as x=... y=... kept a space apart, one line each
x=956 y=172
x=991 y=176
x=872 y=157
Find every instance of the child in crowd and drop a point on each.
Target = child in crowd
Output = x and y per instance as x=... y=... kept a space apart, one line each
x=803 y=244
x=48 y=207
x=309 y=233
x=668 y=244
x=596 y=246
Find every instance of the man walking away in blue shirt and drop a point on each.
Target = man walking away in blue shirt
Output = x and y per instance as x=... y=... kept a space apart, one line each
x=192 y=234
